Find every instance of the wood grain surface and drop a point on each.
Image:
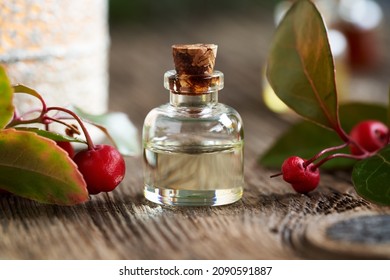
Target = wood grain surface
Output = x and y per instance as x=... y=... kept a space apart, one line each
x=270 y=222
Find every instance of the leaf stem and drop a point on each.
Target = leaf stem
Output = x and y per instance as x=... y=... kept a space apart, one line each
x=90 y=144
x=98 y=126
x=327 y=150
x=72 y=128
x=339 y=155
x=19 y=121
x=341 y=133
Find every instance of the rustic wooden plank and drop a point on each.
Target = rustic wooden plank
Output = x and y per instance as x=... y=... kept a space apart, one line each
x=270 y=222
x=350 y=235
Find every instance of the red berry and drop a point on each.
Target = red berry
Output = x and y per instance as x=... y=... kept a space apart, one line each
x=103 y=168
x=371 y=135
x=67 y=146
x=302 y=178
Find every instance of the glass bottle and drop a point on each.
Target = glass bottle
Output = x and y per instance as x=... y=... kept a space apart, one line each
x=193 y=145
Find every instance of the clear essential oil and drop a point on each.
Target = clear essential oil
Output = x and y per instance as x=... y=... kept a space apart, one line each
x=193 y=145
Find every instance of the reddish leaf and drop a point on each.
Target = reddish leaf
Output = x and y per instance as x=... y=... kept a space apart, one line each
x=300 y=66
x=34 y=167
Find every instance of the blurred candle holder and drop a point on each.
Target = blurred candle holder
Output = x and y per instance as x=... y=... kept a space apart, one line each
x=59 y=48
x=361 y=22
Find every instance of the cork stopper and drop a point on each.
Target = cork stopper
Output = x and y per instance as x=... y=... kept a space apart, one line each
x=194 y=72
x=194 y=59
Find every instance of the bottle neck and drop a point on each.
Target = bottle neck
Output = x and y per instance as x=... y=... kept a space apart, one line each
x=181 y=100
x=193 y=90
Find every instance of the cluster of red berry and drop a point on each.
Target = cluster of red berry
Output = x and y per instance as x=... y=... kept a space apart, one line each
x=102 y=166
x=366 y=138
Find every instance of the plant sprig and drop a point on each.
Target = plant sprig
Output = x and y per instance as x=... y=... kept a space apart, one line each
x=32 y=164
x=301 y=71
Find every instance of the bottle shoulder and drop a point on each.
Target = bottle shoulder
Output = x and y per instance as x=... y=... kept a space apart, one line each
x=199 y=112
x=218 y=123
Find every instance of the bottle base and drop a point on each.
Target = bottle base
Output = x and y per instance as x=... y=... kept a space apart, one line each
x=192 y=197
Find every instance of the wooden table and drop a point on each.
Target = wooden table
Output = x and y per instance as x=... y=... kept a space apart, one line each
x=270 y=222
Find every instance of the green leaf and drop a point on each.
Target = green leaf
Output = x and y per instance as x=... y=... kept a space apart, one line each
x=305 y=139
x=354 y=112
x=51 y=135
x=6 y=95
x=388 y=109
x=34 y=167
x=371 y=177
x=25 y=89
x=118 y=127
x=300 y=66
